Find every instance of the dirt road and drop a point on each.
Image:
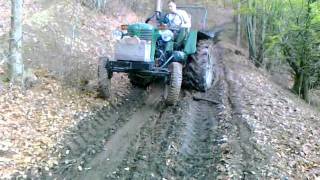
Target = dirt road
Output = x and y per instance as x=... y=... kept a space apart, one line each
x=140 y=138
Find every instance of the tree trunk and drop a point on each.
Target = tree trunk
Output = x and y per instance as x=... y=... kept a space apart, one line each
x=15 y=59
x=251 y=32
x=100 y=4
x=262 y=30
x=238 y=25
x=301 y=86
x=254 y=32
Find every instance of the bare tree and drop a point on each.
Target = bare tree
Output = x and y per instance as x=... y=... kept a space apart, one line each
x=15 y=64
x=238 y=24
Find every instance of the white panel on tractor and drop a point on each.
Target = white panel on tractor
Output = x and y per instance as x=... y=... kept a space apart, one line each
x=133 y=49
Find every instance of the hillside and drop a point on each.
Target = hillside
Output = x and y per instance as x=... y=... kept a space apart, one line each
x=282 y=140
x=245 y=127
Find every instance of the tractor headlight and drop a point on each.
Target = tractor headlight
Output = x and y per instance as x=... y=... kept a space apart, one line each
x=166 y=35
x=117 y=34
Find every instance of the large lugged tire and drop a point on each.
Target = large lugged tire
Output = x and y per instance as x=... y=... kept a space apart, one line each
x=200 y=73
x=138 y=80
x=172 y=90
x=104 y=79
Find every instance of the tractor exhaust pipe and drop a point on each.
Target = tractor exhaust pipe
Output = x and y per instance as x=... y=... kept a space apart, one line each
x=158 y=6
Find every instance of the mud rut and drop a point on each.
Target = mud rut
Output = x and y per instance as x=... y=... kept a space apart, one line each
x=139 y=138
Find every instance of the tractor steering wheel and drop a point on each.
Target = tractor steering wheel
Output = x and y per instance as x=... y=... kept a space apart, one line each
x=174 y=21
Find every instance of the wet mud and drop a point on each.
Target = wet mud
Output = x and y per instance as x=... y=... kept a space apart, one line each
x=140 y=138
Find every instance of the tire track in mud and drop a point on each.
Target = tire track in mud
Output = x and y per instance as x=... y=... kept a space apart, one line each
x=182 y=142
x=177 y=144
x=199 y=147
x=93 y=135
x=115 y=148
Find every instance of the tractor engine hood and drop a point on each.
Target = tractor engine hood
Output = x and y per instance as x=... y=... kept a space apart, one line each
x=138 y=27
x=142 y=30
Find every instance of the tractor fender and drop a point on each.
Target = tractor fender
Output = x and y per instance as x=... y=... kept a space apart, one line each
x=195 y=36
x=210 y=34
x=191 y=43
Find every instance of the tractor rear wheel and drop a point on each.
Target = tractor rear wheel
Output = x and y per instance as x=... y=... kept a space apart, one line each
x=200 y=71
x=172 y=90
x=104 y=79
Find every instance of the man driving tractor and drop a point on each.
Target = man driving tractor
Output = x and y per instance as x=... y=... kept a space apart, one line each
x=177 y=17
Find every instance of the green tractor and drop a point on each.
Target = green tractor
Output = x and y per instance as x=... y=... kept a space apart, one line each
x=178 y=56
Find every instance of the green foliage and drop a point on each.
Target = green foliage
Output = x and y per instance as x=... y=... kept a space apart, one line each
x=300 y=44
x=316 y=12
x=287 y=30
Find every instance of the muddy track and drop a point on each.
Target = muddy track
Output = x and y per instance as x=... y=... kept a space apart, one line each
x=179 y=143
x=140 y=138
x=93 y=133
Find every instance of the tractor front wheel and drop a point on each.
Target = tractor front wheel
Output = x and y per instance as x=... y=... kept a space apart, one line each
x=104 y=79
x=172 y=89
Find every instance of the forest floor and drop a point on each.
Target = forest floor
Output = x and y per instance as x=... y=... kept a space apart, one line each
x=245 y=127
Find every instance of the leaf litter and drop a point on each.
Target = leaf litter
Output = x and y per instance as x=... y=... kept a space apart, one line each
x=284 y=127
x=33 y=123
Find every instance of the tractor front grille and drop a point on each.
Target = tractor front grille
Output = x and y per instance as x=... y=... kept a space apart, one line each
x=142 y=34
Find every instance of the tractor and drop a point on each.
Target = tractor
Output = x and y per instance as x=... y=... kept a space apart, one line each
x=147 y=52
